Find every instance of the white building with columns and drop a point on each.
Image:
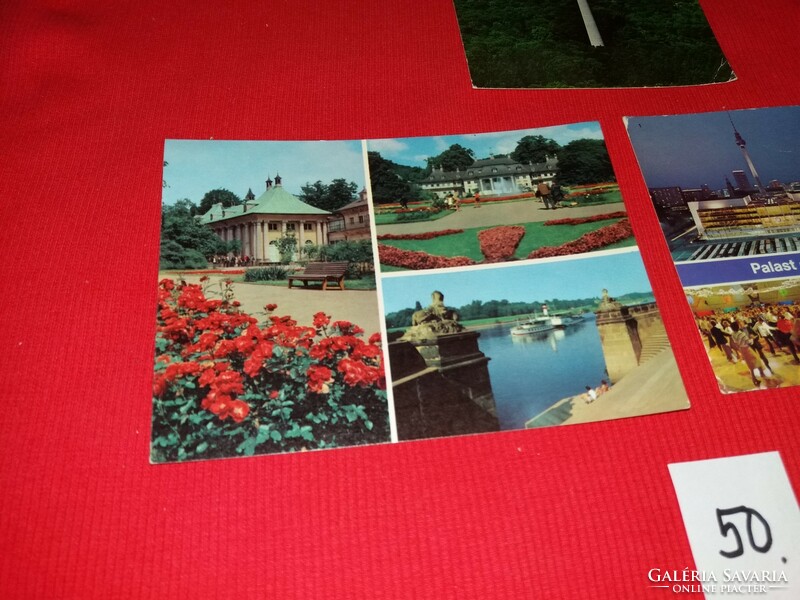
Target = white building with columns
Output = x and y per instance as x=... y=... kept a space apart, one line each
x=491 y=177
x=258 y=223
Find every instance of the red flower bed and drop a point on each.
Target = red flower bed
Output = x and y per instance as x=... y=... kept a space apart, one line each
x=499 y=243
x=397 y=204
x=496 y=198
x=228 y=384
x=403 y=211
x=213 y=272
x=419 y=236
x=615 y=215
x=584 y=186
x=593 y=240
x=409 y=259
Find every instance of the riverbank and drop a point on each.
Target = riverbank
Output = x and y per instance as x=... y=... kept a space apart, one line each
x=653 y=387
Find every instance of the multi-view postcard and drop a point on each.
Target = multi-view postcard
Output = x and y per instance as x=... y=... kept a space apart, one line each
x=726 y=189
x=328 y=294
x=589 y=43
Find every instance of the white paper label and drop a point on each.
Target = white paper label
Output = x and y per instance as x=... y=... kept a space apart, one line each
x=743 y=524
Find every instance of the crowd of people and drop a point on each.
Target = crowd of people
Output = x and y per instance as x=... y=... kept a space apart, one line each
x=231 y=260
x=746 y=334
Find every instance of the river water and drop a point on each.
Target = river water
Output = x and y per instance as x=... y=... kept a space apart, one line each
x=532 y=372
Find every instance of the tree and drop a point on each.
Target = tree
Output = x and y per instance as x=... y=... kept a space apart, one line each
x=287 y=246
x=185 y=242
x=455 y=157
x=357 y=253
x=533 y=148
x=585 y=161
x=330 y=197
x=387 y=185
x=222 y=196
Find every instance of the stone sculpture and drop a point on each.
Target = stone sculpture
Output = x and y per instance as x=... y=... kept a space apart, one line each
x=434 y=320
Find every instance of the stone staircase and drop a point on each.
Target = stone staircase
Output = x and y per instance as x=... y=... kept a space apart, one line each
x=653 y=346
x=555 y=415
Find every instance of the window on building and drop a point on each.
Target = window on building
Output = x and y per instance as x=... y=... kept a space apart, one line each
x=352 y=220
x=272 y=227
x=308 y=227
x=290 y=227
x=360 y=218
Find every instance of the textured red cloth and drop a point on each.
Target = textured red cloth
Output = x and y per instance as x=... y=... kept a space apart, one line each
x=88 y=93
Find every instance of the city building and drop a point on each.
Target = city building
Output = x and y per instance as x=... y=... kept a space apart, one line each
x=668 y=199
x=742 y=182
x=500 y=176
x=259 y=223
x=698 y=194
x=730 y=218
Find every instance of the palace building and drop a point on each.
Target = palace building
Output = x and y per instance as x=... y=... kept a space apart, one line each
x=491 y=177
x=351 y=222
x=258 y=223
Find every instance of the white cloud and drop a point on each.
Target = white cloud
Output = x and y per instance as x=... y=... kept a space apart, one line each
x=440 y=143
x=388 y=146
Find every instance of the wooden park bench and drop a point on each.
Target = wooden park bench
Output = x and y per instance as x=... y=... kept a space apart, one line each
x=324 y=272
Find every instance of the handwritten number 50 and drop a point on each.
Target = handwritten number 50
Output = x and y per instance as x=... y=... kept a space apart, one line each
x=728 y=527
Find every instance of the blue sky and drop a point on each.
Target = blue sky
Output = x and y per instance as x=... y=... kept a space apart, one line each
x=414 y=151
x=565 y=279
x=690 y=150
x=198 y=166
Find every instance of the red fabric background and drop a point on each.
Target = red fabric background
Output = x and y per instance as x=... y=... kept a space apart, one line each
x=88 y=92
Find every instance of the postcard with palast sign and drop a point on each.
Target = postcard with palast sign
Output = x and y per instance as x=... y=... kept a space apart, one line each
x=328 y=294
x=589 y=43
x=726 y=189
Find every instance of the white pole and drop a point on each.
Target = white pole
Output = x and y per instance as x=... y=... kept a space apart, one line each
x=591 y=26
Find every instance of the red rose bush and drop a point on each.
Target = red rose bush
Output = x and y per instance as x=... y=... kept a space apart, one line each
x=227 y=384
x=605 y=236
x=500 y=243
x=411 y=259
x=419 y=236
x=569 y=221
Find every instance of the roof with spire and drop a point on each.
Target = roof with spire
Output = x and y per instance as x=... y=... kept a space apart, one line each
x=274 y=201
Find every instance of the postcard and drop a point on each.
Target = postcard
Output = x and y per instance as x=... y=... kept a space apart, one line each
x=283 y=326
x=725 y=187
x=255 y=354
x=449 y=201
x=526 y=345
x=589 y=43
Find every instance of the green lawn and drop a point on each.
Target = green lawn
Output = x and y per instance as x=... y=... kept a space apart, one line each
x=392 y=218
x=536 y=236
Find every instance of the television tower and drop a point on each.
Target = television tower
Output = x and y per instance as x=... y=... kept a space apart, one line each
x=743 y=146
x=591 y=27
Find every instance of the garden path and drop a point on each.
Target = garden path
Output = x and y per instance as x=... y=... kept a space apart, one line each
x=357 y=306
x=506 y=213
